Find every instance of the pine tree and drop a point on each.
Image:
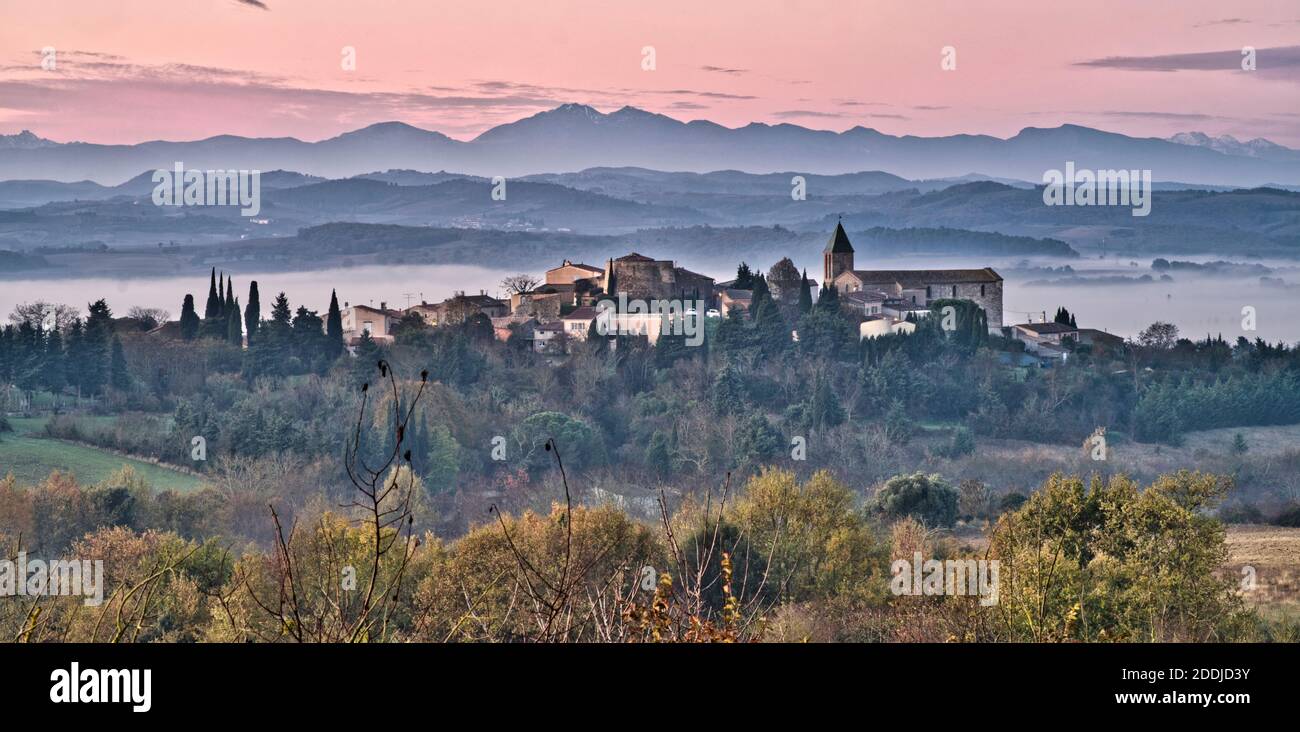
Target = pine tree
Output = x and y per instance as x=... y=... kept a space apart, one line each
x=252 y=312
x=121 y=378
x=281 y=315
x=744 y=277
x=93 y=363
x=334 y=327
x=189 y=319
x=805 y=293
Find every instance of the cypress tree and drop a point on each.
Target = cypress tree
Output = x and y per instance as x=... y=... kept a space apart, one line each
x=221 y=296
x=805 y=293
x=214 y=320
x=252 y=312
x=189 y=319
x=761 y=293
x=334 y=327
x=230 y=296
x=828 y=299
x=233 y=332
x=214 y=303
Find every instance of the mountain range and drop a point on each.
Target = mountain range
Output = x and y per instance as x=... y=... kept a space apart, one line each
x=574 y=137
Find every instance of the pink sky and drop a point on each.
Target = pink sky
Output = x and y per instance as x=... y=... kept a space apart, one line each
x=135 y=70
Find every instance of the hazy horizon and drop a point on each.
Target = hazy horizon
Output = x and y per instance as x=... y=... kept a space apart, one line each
x=275 y=69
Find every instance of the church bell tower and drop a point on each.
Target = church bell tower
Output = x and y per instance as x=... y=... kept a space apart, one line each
x=837 y=257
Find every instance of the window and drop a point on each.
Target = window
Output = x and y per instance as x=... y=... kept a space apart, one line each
x=954 y=291
x=981 y=290
x=928 y=294
x=365 y=326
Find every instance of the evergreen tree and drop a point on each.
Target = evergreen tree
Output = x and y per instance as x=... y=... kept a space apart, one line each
x=213 y=307
x=28 y=357
x=93 y=362
x=222 y=303
x=805 y=293
x=308 y=336
x=234 y=333
x=729 y=394
x=334 y=327
x=828 y=299
x=824 y=410
x=281 y=315
x=658 y=459
x=252 y=312
x=6 y=354
x=214 y=315
x=744 y=277
x=121 y=378
x=189 y=319
x=770 y=329
x=54 y=372
x=760 y=294
x=75 y=349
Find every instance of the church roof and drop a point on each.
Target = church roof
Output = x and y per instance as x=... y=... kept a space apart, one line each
x=839 y=241
x=922 y=277
x=634 y=257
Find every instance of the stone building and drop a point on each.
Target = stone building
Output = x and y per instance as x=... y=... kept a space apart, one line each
x=918 y=287
x=643 y=278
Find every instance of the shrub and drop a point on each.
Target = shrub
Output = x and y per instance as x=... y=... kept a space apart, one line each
x=928 y=498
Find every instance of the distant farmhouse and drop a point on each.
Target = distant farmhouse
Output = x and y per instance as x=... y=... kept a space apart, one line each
x=895 y=293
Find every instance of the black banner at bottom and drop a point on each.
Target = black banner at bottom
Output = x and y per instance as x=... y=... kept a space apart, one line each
x=224 y=683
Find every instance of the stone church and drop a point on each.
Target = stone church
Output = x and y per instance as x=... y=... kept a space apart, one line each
x=916 y=287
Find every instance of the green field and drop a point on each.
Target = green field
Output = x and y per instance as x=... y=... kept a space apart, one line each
x=30 y=456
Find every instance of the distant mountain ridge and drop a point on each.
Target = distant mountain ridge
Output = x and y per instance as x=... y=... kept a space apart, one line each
x=575 y=137
x=1229 y=145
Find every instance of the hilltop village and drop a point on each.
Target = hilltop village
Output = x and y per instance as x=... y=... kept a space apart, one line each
x=565 y=305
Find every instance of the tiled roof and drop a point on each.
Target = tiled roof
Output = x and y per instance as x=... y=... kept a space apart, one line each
x=1047 y=328
x=579 y=265
x=582 y=313
x=634 y=257
x=921 y=277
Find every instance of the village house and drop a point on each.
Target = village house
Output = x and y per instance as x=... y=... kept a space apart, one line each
x=578 y=323
x=549 y=337
x=378 y=322
x=864 y=302
x=504 y=326
x=569 y=273
x=731 y=299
